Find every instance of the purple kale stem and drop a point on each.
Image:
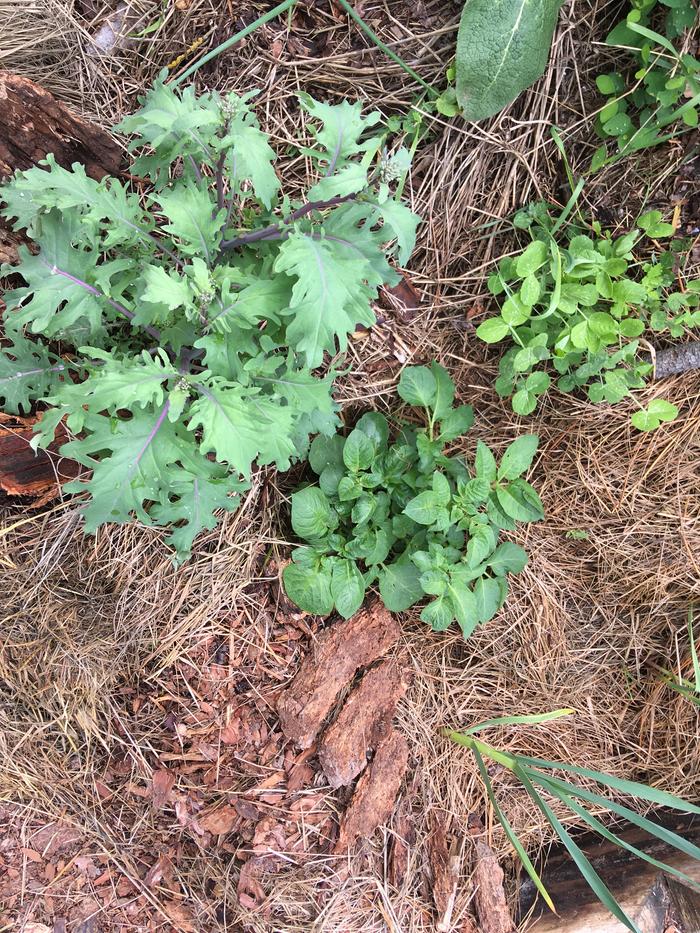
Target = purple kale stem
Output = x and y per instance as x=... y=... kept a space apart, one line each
x=34 y=372
x=220 y=181
x=153 y=331
x=272 y=229
x=195 y=168
x=149 y=440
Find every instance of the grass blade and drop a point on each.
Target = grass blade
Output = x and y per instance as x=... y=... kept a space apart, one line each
x=589 y=873
x=350 y=10
x=687 y=690
x=532 y=719
x=510 y=833
x=633 y=788
x=655 y=37
x=693 y=651
x=603 y=831
x=665 y=835
x=232 y=40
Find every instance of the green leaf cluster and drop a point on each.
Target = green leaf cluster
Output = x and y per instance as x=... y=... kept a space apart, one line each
x=662 y=96
x=406 y=515
x=577 y=304
x=543 y=782
x=175 y=321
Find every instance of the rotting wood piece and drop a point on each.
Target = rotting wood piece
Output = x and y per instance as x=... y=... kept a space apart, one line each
x=33 y=123
x=338 y=653
x=364 y=719
x=24 y=472
x=376 y=792
x=489 y=895
x=445 y=859
x=645 y=895
x=404 y=837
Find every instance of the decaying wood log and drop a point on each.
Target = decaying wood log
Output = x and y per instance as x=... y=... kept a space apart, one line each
x=404 y=838
x=376 y=792
x=24 y=472
x=676 y=360
x=364 y=719
x=33 y=123
x=654 y=900
x=339 y=652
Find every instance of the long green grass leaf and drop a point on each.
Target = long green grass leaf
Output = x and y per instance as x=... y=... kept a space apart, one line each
x=665 y=835
x=603 y=831
x=593 y=879
x=531 y=719
x=633 y=788
x=693 y=650
x=654 y=36
x=510 y=833
x=687 y=690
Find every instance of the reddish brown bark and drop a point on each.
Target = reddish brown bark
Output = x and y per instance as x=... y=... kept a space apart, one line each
x=444 y=865
x=32 y=125
x=490 y=899
x=364 y=719
x=339 y=652
x=375 y=793
x=26 y=473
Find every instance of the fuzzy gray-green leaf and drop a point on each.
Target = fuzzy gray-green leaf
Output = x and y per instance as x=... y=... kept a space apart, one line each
x=502 y=48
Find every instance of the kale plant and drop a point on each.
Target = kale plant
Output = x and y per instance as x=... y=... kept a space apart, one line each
x=175 y=320
x=664 y=99
x=409 y=516
x=581 y=306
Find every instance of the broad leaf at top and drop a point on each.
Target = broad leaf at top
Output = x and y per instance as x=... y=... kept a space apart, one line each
x=502 y=48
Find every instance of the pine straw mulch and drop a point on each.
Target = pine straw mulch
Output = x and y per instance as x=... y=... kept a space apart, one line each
x=137 y=707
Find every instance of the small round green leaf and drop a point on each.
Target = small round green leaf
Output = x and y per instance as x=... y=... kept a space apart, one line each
x=493 y=330
x=524 y=402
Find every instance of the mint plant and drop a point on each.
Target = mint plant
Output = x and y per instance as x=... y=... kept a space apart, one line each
x=175 y=321
x=407 y=515
x=664 y=97
x=579 y=304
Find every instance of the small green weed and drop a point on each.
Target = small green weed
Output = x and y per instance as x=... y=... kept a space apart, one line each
x=665 y=97
x=579 y=303
x=690 y=689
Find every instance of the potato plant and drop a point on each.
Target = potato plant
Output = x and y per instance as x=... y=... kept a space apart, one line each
x=409 y=516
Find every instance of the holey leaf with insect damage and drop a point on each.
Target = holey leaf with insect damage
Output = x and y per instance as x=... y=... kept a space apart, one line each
x=176 y=322
x=502 y=48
